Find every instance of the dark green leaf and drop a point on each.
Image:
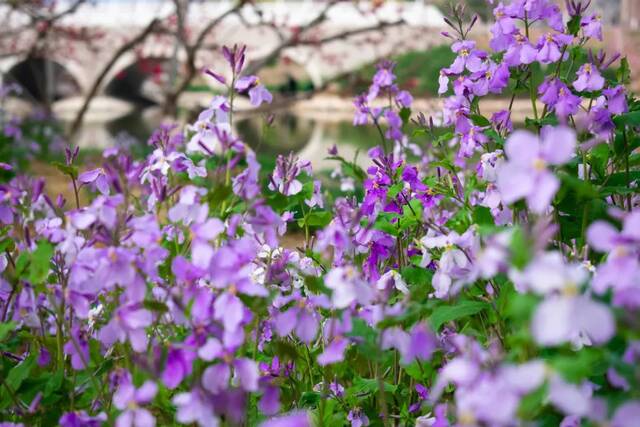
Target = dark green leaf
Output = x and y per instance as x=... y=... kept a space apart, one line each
x=154 y=305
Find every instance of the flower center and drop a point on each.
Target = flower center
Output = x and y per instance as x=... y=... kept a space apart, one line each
x=539 y=164
x=464 y=52
x=620 y=251
x=570 y=289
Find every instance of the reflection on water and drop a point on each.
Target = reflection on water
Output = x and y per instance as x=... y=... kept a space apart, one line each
x=307 y=136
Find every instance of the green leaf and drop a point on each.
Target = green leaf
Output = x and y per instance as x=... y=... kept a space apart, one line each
x=20 y=372
x=366 y=338
x=309 y=399
x=5 y=328
x=371 y=386
x=448 y=313
x=21 y=263
x=631 y=118
x=69 y=170
x=573 y=26
x=479 y=120
x=154 y=305
x=482 y=216
x=40 y=261
x=54 y=383
x=623 y=74
x=520 y=249
x=318 y=218
x=7 y=245
x=405 y=115
x=586 y=363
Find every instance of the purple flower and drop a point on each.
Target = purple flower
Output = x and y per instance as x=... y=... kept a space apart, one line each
x=216 y=377
x=626 y=414
x=558 y=97
x=591 y=26
x=178 y=365
x=129 y=399
x=285 y=173
x=78 y=348
x=246 y=184
x=589 y=79
x=347 y=287
x=127 y=323
x=316 y=197
x=195 y=407
x=358 y=418
x=257 y=92
x=404 y=99
x=520 y=51
x=569 y=398
x=468 y=57
x=98 y=177
x=616 y=99
x=525 y=174
x=293 y=419
x=423 y=395
x=82 y=419
x=622 y=267
x=550 y=45
x=578 y=319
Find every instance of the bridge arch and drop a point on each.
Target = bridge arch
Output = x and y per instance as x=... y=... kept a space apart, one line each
x=43 y=79
x=138 y=79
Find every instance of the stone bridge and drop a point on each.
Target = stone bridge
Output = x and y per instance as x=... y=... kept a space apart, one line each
x=76 y=64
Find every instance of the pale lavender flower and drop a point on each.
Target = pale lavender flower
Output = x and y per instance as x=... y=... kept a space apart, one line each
x=195 y=407
x=525 y=174
x=128 y=399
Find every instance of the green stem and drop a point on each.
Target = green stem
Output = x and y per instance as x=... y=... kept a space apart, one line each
x=626 y=166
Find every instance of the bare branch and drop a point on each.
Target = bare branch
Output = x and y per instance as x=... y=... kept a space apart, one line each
x=103 y=74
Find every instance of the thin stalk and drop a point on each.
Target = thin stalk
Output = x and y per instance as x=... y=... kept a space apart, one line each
x=626 y=166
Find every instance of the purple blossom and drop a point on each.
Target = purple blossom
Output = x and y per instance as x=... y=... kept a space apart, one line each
x=616 y=99
x=525 y=174
x=468 y=57
x=550 y=45
x=589 y=79
x=558 y=97
x=128 y=399
x=195 y=407
x=97 y=177
x=82 y=419
x=128 y=323
x=257 y=92
x=285 y=173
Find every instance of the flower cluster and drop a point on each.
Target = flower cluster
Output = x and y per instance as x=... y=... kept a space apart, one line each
x=472 y=274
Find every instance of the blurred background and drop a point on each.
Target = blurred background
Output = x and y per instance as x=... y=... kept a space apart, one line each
x=105 y=73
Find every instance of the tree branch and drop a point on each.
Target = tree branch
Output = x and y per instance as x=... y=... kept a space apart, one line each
x=103 y=74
